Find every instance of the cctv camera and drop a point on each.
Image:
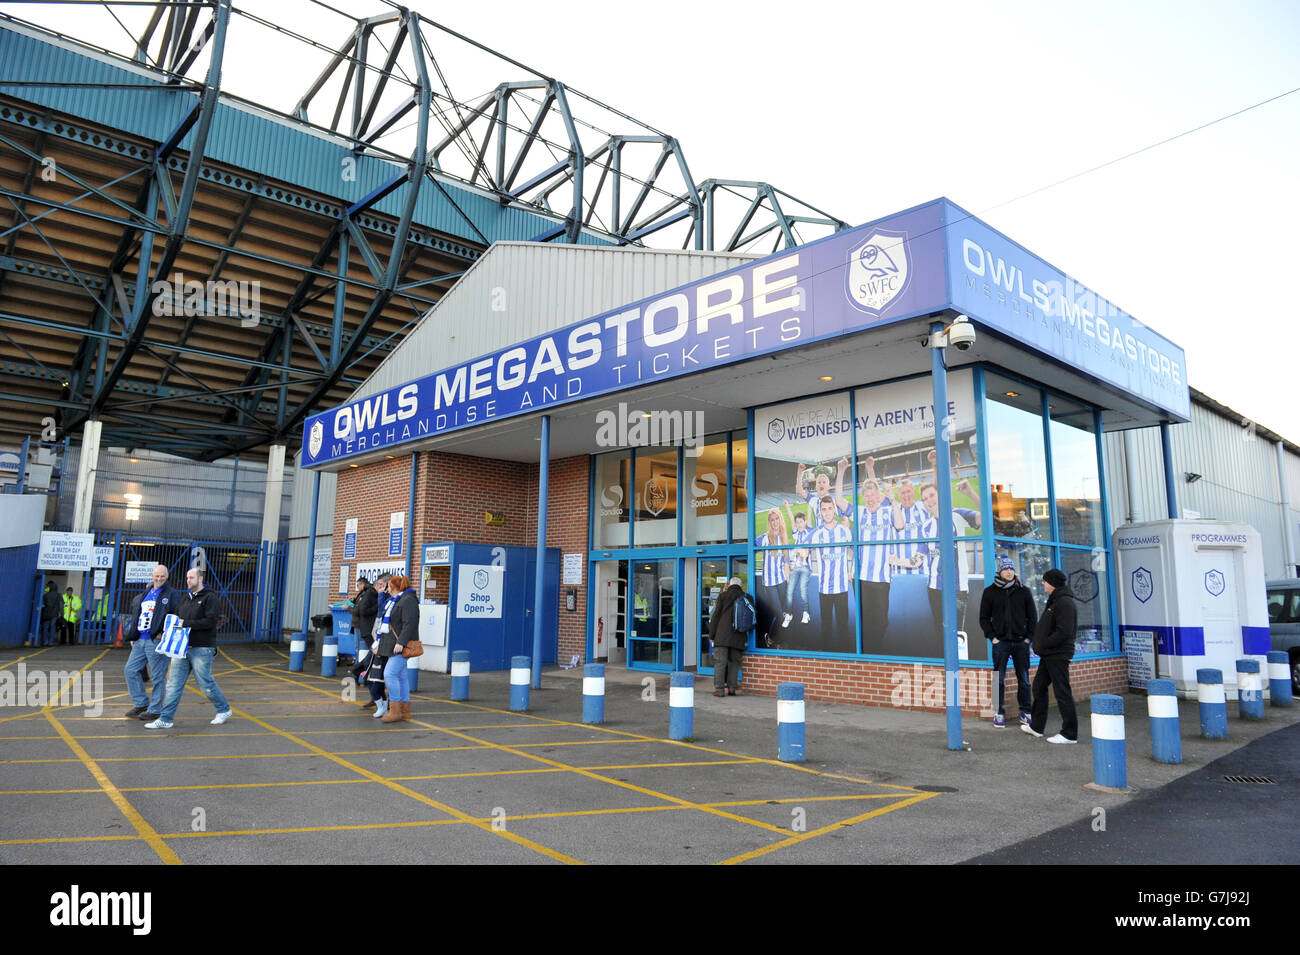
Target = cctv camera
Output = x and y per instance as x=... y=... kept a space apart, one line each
x=962 y=334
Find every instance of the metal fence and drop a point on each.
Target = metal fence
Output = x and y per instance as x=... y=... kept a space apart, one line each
x=248 y=578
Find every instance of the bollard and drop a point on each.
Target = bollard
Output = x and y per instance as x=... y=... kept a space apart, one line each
x=1109 y=759
x=1250 y=693
x=1162 y=707
x=521 y=674
x=1279 y=677
x=593 y=693
x=681 y=706
x=1214 y=708
x=460 y=674
x=412 y=674
x=329 y=655
x=790 y=723
x=297 y=652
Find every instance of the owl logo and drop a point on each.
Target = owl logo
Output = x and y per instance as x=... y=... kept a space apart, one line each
x=878 y=271
x=656 y=496
x=1084 y=585
x=775 y=430
x=1143 y=584
x=480 y=579
x=1215 y=583
x=316 y=438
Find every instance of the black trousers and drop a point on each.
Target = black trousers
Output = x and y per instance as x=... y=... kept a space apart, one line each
x=1056 y=672
x=839 y=633
x=873 y=601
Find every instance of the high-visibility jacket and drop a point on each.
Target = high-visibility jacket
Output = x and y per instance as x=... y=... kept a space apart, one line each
x=71 y=608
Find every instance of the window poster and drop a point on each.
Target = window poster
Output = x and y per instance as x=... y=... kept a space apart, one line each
x=849 y=495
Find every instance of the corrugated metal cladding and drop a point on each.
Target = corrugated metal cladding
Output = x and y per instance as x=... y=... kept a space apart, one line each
x=1239 y=479
x=248 y=139
x=518 y=290
x=299 y=526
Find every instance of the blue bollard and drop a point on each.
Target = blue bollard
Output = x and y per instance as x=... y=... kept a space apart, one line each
x=1109 y=758
x=460 y=674
x=681 y=706
x=329 y=655
x=297 y=652
x=1279 y=678
x=1213 y=706
x=790 y=723
x=593 y=693
x=412 y=674
x=521 y=675
x=1162 y=707
x=1250 y=693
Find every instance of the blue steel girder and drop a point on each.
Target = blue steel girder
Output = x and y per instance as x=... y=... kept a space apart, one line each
x=760 y=196
x=177 y=226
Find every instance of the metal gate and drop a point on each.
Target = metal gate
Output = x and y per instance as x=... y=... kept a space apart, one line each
x=248 y=578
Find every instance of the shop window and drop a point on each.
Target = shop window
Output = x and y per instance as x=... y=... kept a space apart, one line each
x=1075 y=473
x=739 y=494
x=1016 y=460
x=1086 y=575
x=654 y=487
x=613 y=500
x=704 y=504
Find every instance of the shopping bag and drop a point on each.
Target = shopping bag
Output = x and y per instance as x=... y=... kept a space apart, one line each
x=175 y=639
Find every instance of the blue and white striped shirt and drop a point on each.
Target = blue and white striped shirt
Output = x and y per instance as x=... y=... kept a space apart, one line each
x=961 y=520
x=877 y=527
x=774 y=572
x=834 y=575
x=914 y=519
x=800 y=537
x=815 y=507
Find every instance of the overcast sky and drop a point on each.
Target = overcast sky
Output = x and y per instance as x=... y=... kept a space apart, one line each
x=865 y=109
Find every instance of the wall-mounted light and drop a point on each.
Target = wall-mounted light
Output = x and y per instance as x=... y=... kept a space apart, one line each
x=1192 y=477
x=133 y=506
x=1012 y=394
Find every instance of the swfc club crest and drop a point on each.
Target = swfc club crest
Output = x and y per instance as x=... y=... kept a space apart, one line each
x=480 y=579
x=1143 y=584
x=877 y=271
x=775 y=430
x=316 y=438
x=656 y=496
x=1083 y=584
x=1214 y=582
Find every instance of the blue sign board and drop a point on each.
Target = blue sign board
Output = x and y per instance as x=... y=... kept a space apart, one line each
x=915 y=263
x=395 y=542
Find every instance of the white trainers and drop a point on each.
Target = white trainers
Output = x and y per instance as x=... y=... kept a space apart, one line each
x=806 y=618
x=785 y=621
x=222 y=717
x=1026 y=728
x=159 y=724
x=1058 y=738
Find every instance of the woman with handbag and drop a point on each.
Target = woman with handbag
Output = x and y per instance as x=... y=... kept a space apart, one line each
x=398 y=640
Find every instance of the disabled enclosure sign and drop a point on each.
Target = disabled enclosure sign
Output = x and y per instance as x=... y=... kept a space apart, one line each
x=478 y=591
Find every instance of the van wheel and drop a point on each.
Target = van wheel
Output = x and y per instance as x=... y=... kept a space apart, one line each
x=1295 y=672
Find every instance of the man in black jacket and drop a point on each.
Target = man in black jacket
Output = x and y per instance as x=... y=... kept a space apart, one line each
x=51 y=607
x=1008 y=617
x=365 y=607
x=199 y=610
x=1054 y=644
x=728 y=643
x=149 y=610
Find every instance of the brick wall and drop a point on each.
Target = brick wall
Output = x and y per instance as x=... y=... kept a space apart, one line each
x=452 y=492
x=914 y=686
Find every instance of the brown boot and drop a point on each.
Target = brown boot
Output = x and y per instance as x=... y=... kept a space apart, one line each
x=394 y=713
x=406 y=711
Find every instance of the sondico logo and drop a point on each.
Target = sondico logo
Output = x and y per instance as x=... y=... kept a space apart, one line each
x=700 y=497
x=878 y=271
x=611 y=501
x=75 y=908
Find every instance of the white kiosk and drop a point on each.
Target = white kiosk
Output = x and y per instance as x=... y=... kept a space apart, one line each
x=1193 y=589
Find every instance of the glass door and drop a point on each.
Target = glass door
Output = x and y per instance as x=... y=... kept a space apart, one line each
x=713 y=577
x=652 y=636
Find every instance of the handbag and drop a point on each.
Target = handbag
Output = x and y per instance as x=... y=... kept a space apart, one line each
x=413 y=648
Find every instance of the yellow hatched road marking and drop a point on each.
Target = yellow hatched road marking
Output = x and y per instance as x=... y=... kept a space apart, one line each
x=28 y=656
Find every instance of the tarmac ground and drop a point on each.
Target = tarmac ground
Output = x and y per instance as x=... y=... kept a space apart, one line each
x=302 y=774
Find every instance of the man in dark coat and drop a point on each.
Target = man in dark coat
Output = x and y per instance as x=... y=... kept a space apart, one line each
x=365 y=607
x=728 y=643
x=51 y=607
x=1008 y=617
x=1054 y=644
x=200 y=611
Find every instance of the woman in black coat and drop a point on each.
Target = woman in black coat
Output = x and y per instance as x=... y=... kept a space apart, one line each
x=401 y=627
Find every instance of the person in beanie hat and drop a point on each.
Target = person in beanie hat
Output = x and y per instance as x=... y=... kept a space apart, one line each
x=1054 y=644
x=1008 y=617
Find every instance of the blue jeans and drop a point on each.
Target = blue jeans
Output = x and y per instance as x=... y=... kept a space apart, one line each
x=395 y=679
x=1019 y=654
x=144 y=653
x=800 y=573
x=199 y=659
x=47 y=633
